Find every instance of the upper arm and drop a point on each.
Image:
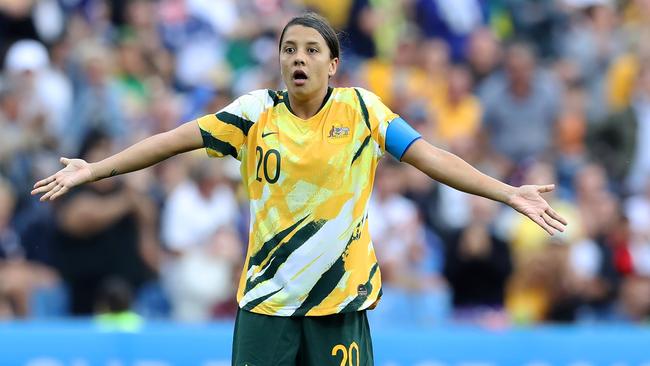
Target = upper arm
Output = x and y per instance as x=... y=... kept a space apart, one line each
x=186 y=137
x=399 y=137
x=226 y=132
x=419 y=154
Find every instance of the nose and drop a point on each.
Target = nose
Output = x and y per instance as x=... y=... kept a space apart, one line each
x=299 y=59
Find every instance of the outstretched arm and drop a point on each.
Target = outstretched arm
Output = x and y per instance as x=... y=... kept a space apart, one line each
x=143 y=154
x=453 y=171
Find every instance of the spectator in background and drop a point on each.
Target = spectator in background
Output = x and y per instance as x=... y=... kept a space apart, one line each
x=592 y=191
x=391 y=15
x=570 y=135
x=592 y=258
x=6 y=310
x=592 y=44
x=537 y=281
x=20 y=278
x=622 y=74
x=104 y=229
x=526 y=240
x=424 y=194
x=23 y=151
x=483 y=54
x=538 y=21
x=456 y=113
x=98 y=98
x=477 y=266
x=362 y=23
x=635 y=22
x=583 y=254
x=197 y=228
x=454 y=122
x=29 y=19
x=410 y=255
x=46 y=92
x=113 y=307
x=398 y=80
x=16 y=139
x=16 y=23
x=434 y=63
x=637 y=210
x=633 y=303
x=134 y=68
x=393 y=222
x=520 y=106
x=622 y=141
x=133 y=80
x=452 y=21
x=336 y=11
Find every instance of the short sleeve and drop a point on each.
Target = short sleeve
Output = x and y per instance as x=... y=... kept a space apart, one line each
x=226 y=132
x=377 y=116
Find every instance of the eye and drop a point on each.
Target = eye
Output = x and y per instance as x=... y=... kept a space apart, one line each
x=312 y=50
x=289 y=49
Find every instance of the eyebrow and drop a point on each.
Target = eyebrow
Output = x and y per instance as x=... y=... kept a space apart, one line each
x=310 y=43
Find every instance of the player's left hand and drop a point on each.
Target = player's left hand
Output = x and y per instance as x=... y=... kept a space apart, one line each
x=528 y=200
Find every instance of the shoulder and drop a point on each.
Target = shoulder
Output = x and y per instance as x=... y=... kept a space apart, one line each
x=260 y=98
x=364 y=94
x=357 y=97
x=353 y=93
x=252 y=104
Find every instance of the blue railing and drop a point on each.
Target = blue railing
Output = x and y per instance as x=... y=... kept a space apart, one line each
x=82 y=343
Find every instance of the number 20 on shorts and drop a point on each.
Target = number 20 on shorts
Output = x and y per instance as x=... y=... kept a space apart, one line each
x=347 y=353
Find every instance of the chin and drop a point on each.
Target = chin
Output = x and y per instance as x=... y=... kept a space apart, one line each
x=299 y=92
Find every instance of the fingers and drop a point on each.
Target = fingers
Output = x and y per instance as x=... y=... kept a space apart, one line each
x=52 y=191
x=540 y=221
x=49 y=185
x=550 y=224
x=43 y=182
x=59 y=193
x=553 y=223
x=546 y=188
x=49 y=194
x=549 y=211
x=44 y=189
x=49 y=179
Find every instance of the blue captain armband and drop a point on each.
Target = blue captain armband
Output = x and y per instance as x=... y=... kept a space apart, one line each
x=399 y=137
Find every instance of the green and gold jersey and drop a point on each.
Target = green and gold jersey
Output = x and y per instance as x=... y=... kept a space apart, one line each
x=309 y=182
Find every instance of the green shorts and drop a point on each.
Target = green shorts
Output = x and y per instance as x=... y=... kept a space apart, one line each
x=339 y=339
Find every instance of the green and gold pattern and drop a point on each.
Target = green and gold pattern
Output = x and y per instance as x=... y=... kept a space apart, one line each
x=309 y=182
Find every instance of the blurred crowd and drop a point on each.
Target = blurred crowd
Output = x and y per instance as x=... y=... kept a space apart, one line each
x=527 y=91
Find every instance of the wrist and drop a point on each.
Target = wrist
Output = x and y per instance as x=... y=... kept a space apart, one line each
x=96 y=172
x=507 y=194
x=92 y=167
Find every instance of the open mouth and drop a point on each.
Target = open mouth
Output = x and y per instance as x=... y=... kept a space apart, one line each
x=299 y=77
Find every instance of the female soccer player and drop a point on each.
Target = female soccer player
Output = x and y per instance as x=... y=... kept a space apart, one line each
x=308 y=157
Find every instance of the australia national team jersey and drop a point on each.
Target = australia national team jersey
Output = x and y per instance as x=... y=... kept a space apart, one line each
x=309 y=182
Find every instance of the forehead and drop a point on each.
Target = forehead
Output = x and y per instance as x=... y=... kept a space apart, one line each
x=302 y=34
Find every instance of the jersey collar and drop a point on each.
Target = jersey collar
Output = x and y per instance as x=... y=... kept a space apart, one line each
x=285 y=97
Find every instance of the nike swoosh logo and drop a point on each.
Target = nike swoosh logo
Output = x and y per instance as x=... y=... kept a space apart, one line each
x=267 y=134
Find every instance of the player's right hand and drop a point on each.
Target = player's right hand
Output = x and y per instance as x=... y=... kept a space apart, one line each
x=76 y=172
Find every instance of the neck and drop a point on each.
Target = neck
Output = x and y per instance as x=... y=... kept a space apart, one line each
x=308 y=106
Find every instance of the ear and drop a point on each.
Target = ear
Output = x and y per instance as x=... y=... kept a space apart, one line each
x=334 y=63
